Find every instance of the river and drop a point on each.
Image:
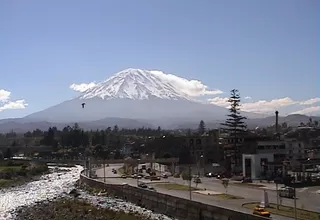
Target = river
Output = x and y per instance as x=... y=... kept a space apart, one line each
x=57 y=184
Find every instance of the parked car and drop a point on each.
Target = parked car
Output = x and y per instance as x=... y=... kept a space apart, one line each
x=164 y=176
x=124 y=176
x=247 y=180
x=287 y=192
x=197 y=180
x=155 y=178
x=142 y=185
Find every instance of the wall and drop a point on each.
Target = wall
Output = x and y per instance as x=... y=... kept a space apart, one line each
x=172 y=206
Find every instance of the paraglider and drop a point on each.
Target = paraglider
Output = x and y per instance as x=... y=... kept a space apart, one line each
x=83 y=104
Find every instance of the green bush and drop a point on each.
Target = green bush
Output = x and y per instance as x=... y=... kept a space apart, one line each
x=186 y=176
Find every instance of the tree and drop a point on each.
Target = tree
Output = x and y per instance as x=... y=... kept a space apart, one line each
x=225 y=183
x=186 y=176
x=202 y=127
x=115 y=129
x=235 y=124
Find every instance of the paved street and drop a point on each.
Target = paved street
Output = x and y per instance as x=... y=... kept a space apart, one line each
x=307 y=197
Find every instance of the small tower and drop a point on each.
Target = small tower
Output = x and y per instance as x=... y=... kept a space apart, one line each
x=277 y=122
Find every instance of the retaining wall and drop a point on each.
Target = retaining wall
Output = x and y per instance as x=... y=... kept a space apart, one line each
x=170 y=205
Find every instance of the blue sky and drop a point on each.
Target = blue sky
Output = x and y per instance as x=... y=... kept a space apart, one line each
x=266 y=49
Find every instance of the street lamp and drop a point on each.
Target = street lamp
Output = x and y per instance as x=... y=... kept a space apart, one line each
x=138 y=170
x=190 y=178
x=295 y=199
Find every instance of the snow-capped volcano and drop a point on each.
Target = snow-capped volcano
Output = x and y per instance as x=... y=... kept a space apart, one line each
x=136 y=84
x=137 y=94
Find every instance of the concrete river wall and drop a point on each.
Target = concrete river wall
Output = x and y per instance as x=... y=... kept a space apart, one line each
x=170 y=205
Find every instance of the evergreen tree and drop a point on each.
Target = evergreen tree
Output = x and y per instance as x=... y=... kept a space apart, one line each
x=115 y=129
x=235 y=124
x=202 y=127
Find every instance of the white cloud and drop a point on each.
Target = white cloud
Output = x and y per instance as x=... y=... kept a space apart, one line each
x=4 y=95
x=223 y=102
x=9 y=104
x=314 y=110
x=264 y=106
x=193 y=88
x=269 y=106
x=82 y=87
x=310 y=101
x=18 y=104
x=248 y=97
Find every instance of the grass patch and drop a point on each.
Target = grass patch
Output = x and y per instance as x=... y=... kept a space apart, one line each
x=122 y=171
x=173 y=186
x=287 y=211
x=9 y=168
x=13 y=174
x=227 y=196
x=248 y=184
x=72 y=209
x=6 y=183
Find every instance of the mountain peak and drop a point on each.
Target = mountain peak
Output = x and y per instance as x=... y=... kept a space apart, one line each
x=136 y=84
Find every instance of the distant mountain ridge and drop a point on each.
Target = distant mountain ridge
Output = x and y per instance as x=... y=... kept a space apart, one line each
x=132 y=98
x=20 y=125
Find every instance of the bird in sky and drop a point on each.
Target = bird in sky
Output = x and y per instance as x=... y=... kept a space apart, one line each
x=83 y=104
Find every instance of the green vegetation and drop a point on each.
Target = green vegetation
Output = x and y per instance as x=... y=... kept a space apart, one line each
x=6 y=183
x=173 y=186
x=122 y=171
x=287 y=211
x=73 y=209
x=248 y=184
x=186 y=176
x=227 y=196
x=16 y=173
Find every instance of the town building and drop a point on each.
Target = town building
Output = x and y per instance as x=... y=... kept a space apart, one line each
x=205 y=149
x=270 y=156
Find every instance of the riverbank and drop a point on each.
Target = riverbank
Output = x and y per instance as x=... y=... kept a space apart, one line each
x=61 y=192
x=85 y=203
x=13 y=173
x=65 y=208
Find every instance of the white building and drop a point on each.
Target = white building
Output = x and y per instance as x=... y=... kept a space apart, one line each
x=271 y=152
x=253 y=164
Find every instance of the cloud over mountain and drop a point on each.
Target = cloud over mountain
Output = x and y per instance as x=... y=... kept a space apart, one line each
x=82 y=87
x=193 y=88
x=6 y=103
x=269 y=106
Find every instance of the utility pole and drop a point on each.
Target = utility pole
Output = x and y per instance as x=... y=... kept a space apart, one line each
x=190 y=183
x=277 y=191
x=295 y=204
x=104 y=171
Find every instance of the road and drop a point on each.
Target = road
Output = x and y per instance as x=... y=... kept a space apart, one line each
x=249 y=194
x=307 y=198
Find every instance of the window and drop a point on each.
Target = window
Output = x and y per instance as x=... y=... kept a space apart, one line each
x=282 y=146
